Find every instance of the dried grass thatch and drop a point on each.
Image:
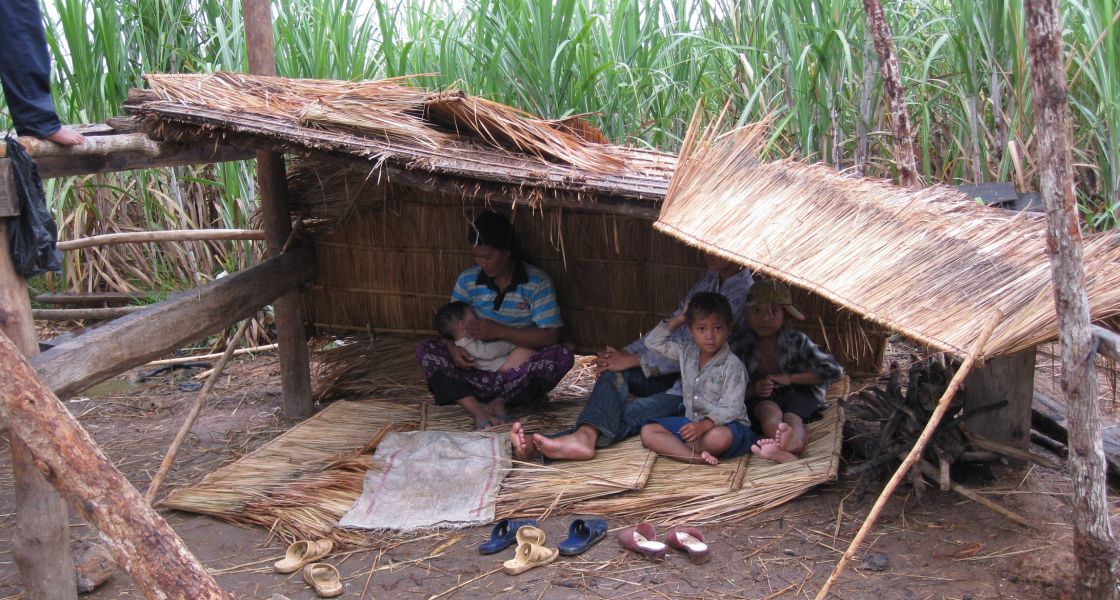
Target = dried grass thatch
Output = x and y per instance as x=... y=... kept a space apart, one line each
x=387 y=111
x=928 y=263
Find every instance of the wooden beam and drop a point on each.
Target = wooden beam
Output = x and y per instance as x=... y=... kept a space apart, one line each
x=272 y=183
x=1108 y=342
x=1007 y=378
x=122 y=152
x=86 y=298
x=162 y=328
x=175 y=235
x=142 y=542
x=41 y=540
x=1094 y=545
x=83 y=314
x=9 y=198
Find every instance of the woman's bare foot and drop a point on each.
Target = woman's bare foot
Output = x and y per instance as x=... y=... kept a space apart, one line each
x=708 y=458
x=66 y=137
x=579 y=445
x=770 y=450
x=523 y=449
x=497 y=408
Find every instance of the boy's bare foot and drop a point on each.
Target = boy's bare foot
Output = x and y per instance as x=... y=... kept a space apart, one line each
x=708 y=458
x=66 y=137
x=770 y=449
x=579 y=445
x=784 y=437
x=523 y=449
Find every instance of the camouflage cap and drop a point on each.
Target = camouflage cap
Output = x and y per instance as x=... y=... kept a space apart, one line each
x=768 y=291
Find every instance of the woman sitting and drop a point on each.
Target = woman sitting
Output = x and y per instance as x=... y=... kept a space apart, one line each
x=514 y=301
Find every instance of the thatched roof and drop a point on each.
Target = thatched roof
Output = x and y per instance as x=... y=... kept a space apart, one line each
x=405 y=130
x=930 y=263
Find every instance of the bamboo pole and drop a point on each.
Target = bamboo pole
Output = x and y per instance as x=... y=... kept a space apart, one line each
x=141 y=541
x=192 y=416
x=41 y=540
x=172 y=235
x=916 y=452
x=295 y=364
x=904 y=156
x=1094 y=545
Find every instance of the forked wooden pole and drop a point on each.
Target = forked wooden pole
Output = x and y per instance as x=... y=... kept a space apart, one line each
x=915 y=452
x=215 y=374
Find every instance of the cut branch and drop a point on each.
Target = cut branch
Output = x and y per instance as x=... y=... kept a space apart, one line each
x=177 y=235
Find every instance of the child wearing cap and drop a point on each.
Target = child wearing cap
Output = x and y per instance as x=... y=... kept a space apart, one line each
x=788 y=372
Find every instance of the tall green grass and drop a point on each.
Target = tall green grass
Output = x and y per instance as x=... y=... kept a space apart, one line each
x=639 y=67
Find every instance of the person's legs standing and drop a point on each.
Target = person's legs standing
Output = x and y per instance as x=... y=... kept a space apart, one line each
x=25 y=69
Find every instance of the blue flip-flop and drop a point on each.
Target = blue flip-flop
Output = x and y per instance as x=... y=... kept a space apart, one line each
x=583 y=534
x=504 y=535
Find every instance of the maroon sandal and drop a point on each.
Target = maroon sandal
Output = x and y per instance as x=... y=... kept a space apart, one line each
x=642 y=538
x=690 y=540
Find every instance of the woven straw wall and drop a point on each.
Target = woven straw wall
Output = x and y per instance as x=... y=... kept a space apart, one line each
x=394 y=260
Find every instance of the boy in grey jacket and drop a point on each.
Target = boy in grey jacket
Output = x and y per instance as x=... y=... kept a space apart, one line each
x=715 y=382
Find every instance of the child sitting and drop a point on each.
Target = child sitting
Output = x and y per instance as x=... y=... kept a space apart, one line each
x=497 y=355
x=789 y=373
x=715 y=422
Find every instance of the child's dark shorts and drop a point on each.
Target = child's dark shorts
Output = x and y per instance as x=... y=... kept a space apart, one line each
x=742 y=437
x=800 y=400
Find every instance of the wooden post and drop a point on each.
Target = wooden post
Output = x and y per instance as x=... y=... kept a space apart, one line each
x=272 y=184
x=904 y=156
x=141 y=541
x=915 y=454
x=1094 y=546
x=41 y=542
x=1008 y=378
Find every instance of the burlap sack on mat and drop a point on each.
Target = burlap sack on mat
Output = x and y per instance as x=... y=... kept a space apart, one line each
x=431 y=479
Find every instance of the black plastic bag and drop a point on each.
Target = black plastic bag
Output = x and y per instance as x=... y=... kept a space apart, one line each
x=33 y=233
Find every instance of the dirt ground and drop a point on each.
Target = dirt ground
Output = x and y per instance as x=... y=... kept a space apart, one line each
x=941 y=547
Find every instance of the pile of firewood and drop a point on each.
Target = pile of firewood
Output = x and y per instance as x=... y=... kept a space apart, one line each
x=885 y=420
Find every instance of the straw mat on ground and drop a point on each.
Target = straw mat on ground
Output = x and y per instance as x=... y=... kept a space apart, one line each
x=929 y=263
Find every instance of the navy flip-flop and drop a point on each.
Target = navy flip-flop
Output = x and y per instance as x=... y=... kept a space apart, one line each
x=504 y=535
x=583 y=534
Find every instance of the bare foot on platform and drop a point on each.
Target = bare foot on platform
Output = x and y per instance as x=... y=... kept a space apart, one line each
x=784 y=437
x=523 y=448
x=708 y=458
x=770 y=449
x=66 y=137
x=579 y=445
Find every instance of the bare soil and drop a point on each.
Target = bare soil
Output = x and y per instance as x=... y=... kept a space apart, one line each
x=940 y=547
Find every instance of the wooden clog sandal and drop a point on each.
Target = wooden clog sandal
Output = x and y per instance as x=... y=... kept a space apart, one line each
x=324 y=579
x=529 y=556
x=302 y=553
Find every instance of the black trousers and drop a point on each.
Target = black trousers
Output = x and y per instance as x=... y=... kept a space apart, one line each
x=25 y=69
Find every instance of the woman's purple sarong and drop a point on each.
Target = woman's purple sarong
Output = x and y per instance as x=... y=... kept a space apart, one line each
x=527 y=384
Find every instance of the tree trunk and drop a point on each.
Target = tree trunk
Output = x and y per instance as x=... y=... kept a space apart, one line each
x=1098 y=562
x=141 y=541
x=904 y=156
x=272 y=183
x=40 y=544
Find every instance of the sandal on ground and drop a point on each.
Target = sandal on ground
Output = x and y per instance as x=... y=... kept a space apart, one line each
x=529 y=556
x=583 y=534
x=690 y=540
x=528 y=534
x=302 y=553
x=324 y=579
x=642 y=538
x=504 y=534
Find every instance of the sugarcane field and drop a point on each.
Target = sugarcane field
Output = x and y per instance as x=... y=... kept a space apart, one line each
x=556 y=299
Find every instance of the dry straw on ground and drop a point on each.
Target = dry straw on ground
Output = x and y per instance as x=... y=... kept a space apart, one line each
x=301 y=483
x=929 y=263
